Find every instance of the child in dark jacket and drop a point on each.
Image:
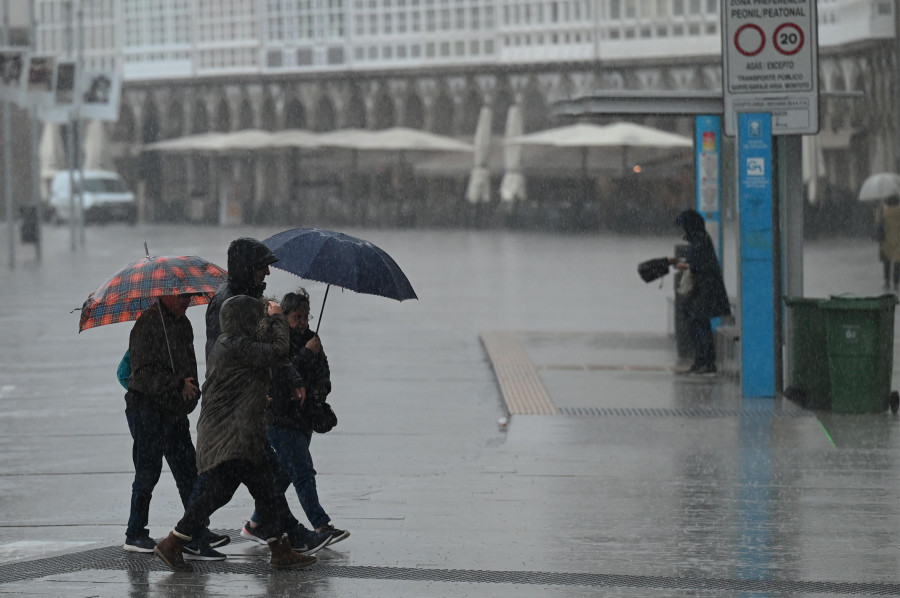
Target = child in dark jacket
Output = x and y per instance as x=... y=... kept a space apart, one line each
x=290 y=431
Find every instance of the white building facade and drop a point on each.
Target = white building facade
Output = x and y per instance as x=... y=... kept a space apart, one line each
x=196 y=65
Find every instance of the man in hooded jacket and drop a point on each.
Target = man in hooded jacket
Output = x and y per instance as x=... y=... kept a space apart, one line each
x=248 y=266
x=708 y=299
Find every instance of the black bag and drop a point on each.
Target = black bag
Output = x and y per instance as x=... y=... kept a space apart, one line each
x=653 y=269
x=320 y=416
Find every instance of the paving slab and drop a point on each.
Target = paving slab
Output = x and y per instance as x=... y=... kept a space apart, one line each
x=638 y=483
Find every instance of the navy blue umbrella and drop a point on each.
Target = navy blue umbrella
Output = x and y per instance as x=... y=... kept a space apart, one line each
x=340 y=260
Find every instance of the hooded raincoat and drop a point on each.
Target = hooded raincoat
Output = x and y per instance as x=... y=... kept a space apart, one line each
x=245 y=257
x=232 y=422
x=709 y=299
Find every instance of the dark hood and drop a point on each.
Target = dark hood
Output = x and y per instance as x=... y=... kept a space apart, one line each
x=692 y=223
x=246 y=256
x=241 y=315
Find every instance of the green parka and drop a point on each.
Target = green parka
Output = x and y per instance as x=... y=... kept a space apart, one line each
x=232 y=422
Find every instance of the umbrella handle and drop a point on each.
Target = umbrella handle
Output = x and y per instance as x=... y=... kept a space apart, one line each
x=321 y=311
x=166 y=334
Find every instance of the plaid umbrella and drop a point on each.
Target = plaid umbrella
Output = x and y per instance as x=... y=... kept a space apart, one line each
x=133 y=288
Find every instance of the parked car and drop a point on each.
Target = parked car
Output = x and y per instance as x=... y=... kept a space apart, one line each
x=106 y=197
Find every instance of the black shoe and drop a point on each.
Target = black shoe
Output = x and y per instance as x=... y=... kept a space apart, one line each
x=215 y=540
x=336 y=534
x=143 y=544
x=252 y=533
x=199 y=550
x=310 y=542
x=688 y=372
x=706 y=371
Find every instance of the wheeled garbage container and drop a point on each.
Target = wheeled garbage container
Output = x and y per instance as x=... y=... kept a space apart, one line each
x=810 y=382
x=860 y=345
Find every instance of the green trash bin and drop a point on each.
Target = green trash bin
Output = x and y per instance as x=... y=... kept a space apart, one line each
x=810 y=384
x=860 y=332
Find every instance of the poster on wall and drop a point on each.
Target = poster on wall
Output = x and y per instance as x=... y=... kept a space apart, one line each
x=41 y=80
x=99 y=94
x=61 y=108
x=14 y=75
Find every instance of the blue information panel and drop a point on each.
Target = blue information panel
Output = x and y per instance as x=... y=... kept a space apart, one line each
x=757 y=284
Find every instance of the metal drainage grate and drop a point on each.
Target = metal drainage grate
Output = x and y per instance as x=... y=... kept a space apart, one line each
x=685 y=412
x=114 y=558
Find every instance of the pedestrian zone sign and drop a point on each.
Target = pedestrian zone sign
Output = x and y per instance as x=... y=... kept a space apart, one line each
x=770 y=63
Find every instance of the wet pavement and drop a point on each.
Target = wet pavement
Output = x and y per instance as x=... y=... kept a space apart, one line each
x=637 y=482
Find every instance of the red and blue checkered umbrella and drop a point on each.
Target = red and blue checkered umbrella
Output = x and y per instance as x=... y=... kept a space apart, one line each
x=133 y=288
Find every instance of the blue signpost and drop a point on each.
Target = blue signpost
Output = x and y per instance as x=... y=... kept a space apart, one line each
x=757 y=282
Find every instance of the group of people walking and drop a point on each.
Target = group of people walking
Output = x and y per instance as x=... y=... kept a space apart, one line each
x=265 y=369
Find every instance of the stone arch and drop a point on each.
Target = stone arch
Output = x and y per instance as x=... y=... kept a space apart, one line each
x=222 y=120
x=611 y=80
x=174 y=123
x=269 y=116
x=245 y=114
x=858 y=114
x=503 y=99
x=413 y=110
x=294 y=114
x=471 y=107
x=355 y=114
x=443 y=113
x=384 y=114
x=150 y=128
x=535 y=116
x=199 y=117
x=325 y=115
x=126 y=126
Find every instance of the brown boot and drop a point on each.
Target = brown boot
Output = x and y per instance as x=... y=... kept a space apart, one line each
x=169 y=550
x=284 y=557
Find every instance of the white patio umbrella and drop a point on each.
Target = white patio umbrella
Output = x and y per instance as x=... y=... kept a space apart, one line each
x=879 y=186
x=513 y=185
x=200 y=142
x=294 y=139
x=96 y=147
x=622 y=136
x=630 y=141
x=479 y=187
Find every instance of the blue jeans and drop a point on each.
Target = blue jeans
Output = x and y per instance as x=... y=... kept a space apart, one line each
x=293 y=464
x=157 y=436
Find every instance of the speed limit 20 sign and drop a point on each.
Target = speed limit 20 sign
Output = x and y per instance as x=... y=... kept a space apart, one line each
x=770 y=63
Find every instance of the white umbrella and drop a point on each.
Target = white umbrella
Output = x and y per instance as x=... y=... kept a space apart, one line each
x=513 y=185
x=243 y=140
x=879 y=186
x=201 y=142
x=479 y=188
x=644 y=143
x=96 y=147
x=404 y=139
x=52 y=153
x=626 y=137
x=295 y=139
